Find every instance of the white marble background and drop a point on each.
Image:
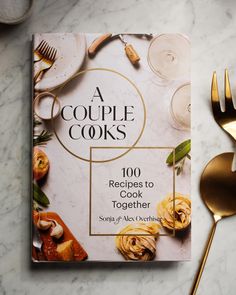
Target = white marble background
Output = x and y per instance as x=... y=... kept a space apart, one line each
x=211 y=24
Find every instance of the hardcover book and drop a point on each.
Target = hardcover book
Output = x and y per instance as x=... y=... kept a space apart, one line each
x=111 y=155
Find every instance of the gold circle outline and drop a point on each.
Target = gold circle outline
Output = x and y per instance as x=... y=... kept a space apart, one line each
x=144 y=111
x=55 y=99
x=155 y=71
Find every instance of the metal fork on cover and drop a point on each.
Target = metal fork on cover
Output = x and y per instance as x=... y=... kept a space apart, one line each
x=40 y=50
x=47 y=61
x=226 y=119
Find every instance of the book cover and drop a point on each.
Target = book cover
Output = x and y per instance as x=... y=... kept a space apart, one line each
x=111 y=155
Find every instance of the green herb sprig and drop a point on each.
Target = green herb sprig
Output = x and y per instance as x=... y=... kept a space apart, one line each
x=39 y=196
x=43 y=137
x=181 y=153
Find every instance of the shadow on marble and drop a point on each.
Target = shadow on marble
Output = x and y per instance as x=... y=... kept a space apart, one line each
x=88 y=265
x=5 y=30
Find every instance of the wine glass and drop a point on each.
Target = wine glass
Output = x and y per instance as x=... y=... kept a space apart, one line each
x=169 y=57
x=180 y=108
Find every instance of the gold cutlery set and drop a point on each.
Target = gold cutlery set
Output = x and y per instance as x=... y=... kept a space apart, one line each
x=44 y=56
x=218 y=180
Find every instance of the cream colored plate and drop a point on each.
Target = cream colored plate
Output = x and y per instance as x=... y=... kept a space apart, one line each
x=71 y=50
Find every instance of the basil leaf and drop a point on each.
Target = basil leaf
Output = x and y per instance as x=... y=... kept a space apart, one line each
x=39 y=196
x=181 y=151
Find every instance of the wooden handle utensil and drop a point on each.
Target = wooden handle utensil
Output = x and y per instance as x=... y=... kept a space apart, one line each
x=97 y=43
x=101 y=40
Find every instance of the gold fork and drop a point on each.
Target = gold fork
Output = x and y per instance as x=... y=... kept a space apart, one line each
x=40 y=50
x=225 y=119
x=46 y=63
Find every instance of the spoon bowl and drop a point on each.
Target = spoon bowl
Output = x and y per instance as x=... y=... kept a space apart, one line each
x=218 y=186
x=218 y=192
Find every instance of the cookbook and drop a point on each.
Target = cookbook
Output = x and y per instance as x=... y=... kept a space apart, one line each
x=111 y=147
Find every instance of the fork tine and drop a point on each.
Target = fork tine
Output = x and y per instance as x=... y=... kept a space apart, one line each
x=215 y=101
x=54 y=54
x=45 y=48
x=45 y=54
x=228 y=95
x=40 y=45
x=50 y=53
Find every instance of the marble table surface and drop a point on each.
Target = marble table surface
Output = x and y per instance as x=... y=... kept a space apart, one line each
x=210 y=25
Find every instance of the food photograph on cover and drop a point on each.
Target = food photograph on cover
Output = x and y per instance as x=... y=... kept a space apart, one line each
x=111 y=147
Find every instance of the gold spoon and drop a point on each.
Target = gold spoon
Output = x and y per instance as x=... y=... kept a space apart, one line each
x=218 y=191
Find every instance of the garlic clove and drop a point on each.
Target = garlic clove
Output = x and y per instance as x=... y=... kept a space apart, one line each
x=57 y=230
x=43 y=224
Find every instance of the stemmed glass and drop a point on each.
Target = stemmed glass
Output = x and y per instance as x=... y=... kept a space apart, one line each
x=169 y=57
x=180 y=108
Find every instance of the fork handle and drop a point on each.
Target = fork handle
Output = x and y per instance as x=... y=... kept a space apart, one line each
x=204 y=257
x=233 y=168
x=38 y=76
